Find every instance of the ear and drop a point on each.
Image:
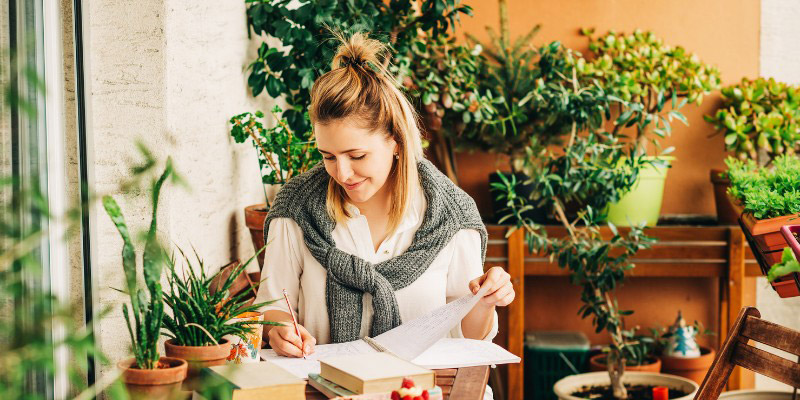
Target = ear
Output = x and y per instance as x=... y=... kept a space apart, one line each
x=393 y=144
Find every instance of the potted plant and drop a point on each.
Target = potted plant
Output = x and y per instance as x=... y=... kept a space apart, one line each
x=592 y=170
x=511 y=74
x=443 y=77
x=146 y=376
x=639 y=354
x=202 y=313
x=641 y=384
x=561 y=102
x=767 y=198
x=588 y=173
x=680 y=353
x=282 y=154
x=785 y=275
x=656 y=80
x=759 y=120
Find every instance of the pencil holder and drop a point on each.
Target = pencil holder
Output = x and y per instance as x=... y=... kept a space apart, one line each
x=246 y=351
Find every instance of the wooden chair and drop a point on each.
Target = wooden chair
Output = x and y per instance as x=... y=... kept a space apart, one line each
x=736 y=351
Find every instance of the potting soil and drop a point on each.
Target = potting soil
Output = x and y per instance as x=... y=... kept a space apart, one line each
x=635 y=392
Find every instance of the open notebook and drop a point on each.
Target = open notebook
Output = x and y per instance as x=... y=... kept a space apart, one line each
x=421 y=341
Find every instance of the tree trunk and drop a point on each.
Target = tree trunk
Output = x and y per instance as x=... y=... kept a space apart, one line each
x=616 y=369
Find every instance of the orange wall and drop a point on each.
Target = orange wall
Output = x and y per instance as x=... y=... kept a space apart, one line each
x=724 y=33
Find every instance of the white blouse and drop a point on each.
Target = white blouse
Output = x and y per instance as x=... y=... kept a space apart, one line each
x=288 y=264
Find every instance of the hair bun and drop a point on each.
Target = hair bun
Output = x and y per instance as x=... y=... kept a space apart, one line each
x=359 y=51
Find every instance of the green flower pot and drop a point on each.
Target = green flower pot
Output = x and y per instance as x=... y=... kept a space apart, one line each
x=643 y=202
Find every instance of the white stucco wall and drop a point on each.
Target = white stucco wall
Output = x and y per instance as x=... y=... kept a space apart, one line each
x=780 y=59
x=170 y=73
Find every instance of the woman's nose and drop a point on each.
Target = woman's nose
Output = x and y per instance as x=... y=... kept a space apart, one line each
x=343 y=170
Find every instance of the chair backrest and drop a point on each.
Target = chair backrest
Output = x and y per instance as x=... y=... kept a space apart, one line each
x=736 y=351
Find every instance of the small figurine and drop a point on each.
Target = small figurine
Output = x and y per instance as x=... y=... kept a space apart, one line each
x=681 y=341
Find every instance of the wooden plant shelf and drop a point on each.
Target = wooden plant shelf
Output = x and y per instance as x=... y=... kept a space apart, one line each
x=681 y=251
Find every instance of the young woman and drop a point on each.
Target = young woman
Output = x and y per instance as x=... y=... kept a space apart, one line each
x=375 y=235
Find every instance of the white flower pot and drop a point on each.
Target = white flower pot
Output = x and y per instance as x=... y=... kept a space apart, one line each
x=566 y=386
x=756 y=395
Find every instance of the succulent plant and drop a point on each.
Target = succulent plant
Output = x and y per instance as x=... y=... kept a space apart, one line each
x=759 y=116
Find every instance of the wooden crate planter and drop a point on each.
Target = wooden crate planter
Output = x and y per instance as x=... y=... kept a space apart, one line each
x=788 y=286
x=767 y=243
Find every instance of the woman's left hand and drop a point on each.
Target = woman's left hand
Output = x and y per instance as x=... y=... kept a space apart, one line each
x=500 y=291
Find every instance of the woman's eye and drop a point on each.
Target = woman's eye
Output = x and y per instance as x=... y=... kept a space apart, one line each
x=359 y=157
x=331 y=158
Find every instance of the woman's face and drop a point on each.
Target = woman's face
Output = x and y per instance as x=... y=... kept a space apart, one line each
x=358 y=159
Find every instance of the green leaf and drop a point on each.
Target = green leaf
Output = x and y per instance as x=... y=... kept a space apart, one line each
x=275 y=87
x=788 y=265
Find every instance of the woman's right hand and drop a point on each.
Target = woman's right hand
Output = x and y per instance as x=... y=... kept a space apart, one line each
x=284 y=340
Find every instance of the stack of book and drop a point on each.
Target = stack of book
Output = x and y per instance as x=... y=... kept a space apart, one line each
x=367 y=376
x=253 y=381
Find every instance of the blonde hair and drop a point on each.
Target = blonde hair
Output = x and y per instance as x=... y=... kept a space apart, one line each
x=359 y=86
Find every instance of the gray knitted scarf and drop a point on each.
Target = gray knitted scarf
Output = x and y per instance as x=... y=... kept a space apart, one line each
x=303 y=199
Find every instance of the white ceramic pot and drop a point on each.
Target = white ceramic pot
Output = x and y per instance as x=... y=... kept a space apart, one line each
x=565 y=387
x=756 y=395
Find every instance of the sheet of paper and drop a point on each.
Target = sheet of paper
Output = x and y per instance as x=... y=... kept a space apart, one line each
x=411 y=338
x=301 y=368
x=457 y=353
x=422 y=339
x=445 y=353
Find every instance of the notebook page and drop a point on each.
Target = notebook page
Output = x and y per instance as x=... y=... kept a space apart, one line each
x=301 y=368
x=412 y=338
x=457 y=353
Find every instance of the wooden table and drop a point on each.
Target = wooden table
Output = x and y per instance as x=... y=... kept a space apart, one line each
x=457 y=383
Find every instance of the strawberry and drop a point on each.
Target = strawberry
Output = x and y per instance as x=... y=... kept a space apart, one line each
x=408 y=383
x=395 y=395
x=407 y=397
x=417 y=398
x=425 y=395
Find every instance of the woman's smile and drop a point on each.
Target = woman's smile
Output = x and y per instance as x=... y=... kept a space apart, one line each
x=354 y=186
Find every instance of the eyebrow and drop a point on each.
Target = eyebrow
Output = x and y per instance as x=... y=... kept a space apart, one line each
x=346 y=151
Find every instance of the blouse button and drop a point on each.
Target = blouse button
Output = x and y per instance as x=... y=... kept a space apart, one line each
x=386 y=252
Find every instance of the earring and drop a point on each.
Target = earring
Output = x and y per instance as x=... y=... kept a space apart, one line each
x=396 y=156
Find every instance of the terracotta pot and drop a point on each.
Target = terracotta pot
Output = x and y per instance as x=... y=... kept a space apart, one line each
x=767 y=243
x=198 y=357
x=597 y=363
x=765 y=232
x=692 y=368
x=254 y=217
x=153 y=384
x=726 y=214
x=789 y=285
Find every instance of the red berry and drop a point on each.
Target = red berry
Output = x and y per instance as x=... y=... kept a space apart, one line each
x=408 y=383
x=417 y=398
x=395 y=395
x=407 y=397
x=425 y=395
